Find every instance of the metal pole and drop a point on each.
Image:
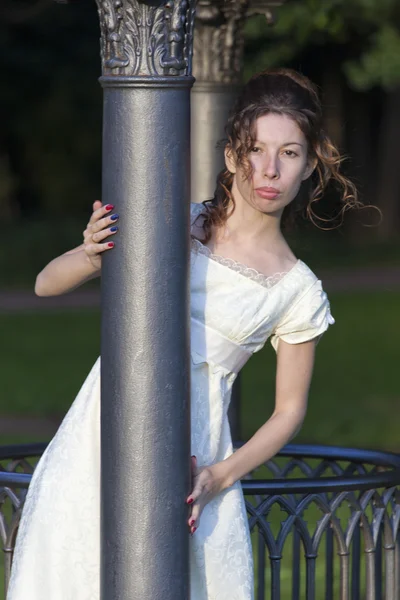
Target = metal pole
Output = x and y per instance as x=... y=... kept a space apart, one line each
x=145 y=447
x=217 y=66
x=211 y=103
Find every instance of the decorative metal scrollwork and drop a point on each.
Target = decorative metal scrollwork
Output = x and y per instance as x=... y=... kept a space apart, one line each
x=146 y=38
x=219 y=37
x=218 y=42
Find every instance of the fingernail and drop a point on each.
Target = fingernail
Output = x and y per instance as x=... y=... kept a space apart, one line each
x=193 y=530
x=114 y=229
x=192 y=522
x=114 y=217
x=111 y=244
x=109 y=207
x=190 y=500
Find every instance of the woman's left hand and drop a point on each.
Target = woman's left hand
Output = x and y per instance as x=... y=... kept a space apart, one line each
x=207 y=483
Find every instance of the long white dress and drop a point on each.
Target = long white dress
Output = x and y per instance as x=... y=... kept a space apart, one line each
x=234 y=310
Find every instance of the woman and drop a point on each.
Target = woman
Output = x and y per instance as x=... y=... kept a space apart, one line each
x=246 y=286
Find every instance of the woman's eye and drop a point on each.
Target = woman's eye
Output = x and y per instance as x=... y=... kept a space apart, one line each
x=290 y=153
x=255 y=149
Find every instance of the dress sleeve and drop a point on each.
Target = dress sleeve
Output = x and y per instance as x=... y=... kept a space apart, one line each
x=196 y=208
x=306 y=320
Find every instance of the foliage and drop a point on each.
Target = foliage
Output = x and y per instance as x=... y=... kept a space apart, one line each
x=380 y=65
x=50 y=139
x=368 y=29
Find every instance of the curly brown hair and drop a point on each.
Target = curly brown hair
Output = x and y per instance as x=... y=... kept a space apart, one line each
x=283 y=92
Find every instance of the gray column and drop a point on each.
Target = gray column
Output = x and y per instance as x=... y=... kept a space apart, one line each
x=145 y=435
x=211 y=103
x=217 y=67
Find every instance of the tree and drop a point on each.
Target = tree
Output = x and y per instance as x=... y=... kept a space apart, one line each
x=50 y=140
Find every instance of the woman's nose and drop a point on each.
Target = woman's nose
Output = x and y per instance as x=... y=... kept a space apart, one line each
x=271 y=168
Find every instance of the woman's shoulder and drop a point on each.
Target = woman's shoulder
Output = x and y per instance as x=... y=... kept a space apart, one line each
x=301 y=285
x=305 y=309
x=306 y=275
x=299 y=278
x=196 y=208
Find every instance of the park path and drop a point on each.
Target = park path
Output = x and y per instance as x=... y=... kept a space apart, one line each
x=12 y=301
x=365 y=278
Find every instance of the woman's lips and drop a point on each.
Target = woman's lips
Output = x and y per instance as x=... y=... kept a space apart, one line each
x=268 y=192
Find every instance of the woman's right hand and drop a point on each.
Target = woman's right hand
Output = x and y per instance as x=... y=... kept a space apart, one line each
x=101 y=226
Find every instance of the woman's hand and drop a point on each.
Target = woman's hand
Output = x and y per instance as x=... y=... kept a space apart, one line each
x=101 y=225
x=207 y=483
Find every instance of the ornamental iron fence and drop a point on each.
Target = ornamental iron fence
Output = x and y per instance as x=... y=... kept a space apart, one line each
x=324 y=521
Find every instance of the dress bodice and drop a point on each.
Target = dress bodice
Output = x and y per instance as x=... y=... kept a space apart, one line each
x=245 y=308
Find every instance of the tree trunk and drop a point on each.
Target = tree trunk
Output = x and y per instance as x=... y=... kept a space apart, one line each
x=361 y=161
x=333 y=104
x=388 y=196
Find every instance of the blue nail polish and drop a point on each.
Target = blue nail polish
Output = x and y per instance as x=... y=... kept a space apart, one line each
x=114 y=217
x=114 y=229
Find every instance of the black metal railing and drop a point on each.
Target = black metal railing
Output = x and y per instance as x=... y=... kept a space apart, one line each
x=16 y=467
x=325 y=521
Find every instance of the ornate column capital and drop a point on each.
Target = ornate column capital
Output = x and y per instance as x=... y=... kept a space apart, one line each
x=146 y=38
x=263 y=7
x=218 y=40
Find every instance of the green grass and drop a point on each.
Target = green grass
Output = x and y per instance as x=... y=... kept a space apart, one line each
x=355 y=393
x=45 y=358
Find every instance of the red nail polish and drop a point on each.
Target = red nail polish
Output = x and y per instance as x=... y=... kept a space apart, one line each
x=194 y=529
x=190 y=501
x=111 y=244
x=109 y=207
x=192 y=521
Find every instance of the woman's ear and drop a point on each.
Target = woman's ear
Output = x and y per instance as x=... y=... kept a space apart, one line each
x=229 y=162
x=310 y=168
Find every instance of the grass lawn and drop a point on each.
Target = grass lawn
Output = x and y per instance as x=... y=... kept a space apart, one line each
x=354 y=399
x=45 y=359
x=355 y=391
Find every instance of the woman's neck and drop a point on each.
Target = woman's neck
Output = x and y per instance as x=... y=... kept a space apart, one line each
x=247 y=223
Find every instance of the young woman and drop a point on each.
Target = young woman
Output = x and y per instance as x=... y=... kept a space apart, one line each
x=246 y=286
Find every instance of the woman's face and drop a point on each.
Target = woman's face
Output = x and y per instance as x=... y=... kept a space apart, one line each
x=280 y=163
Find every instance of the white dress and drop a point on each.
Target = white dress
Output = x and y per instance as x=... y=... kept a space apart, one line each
x=234 y=310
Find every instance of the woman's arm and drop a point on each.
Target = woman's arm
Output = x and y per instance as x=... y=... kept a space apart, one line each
x=72 y=269
x=293 y=377
x=65 y=273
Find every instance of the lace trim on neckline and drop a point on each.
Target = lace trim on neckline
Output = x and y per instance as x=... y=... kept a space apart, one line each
x=267 y=281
